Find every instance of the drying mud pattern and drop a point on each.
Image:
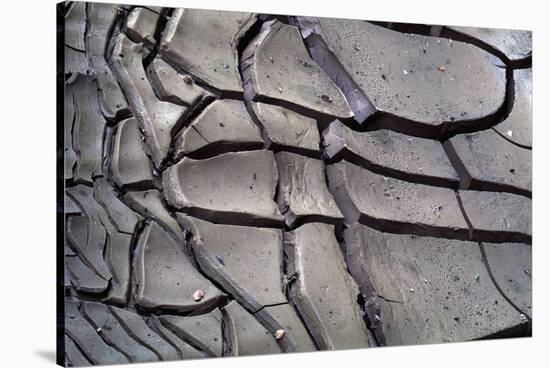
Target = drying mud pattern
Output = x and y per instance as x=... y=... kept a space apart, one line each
x=238 y=184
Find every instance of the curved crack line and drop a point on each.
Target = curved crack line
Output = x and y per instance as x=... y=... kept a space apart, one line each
x=72 y=244
x=290 y=274
x=369 y=307
x=116 y=25
x=199 y=133
x=372 y=316
x=244 y=41
x=183 y=336
x=462 y=37
x=131 y=333
x=78 y=347
x=152 y=324
x=159 y=29
x=485 y=260
x=75 y=49
x=94 y=298
x=130 y=295
x=368 y=118
x=530 y=148
x=283 y=303
x=496 y=284
x=105 y=338
x=439 y=31
x=378 y=168
x=468 y=182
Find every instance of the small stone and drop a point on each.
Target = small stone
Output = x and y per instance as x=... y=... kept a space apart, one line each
x=187 y=79
x=436 y=209
x=522 y=317
x=405 y=72
x=441 y=68
x=411 y=290
x=198 y=295
x=248 y=335
x=510 y=133
x=279 y=334
x=326 y=98
x=244 y=251
x=99 y=330
x=477 y=277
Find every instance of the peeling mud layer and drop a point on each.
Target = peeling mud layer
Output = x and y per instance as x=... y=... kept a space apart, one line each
x=235 y=184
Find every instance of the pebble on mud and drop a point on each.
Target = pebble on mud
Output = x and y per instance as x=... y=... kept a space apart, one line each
x=187 y=79
x=279 y=334
x=198 y=295
x=442 y=68
x=326 y=98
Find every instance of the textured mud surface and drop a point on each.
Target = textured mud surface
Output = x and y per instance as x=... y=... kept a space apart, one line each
x=238 y=184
